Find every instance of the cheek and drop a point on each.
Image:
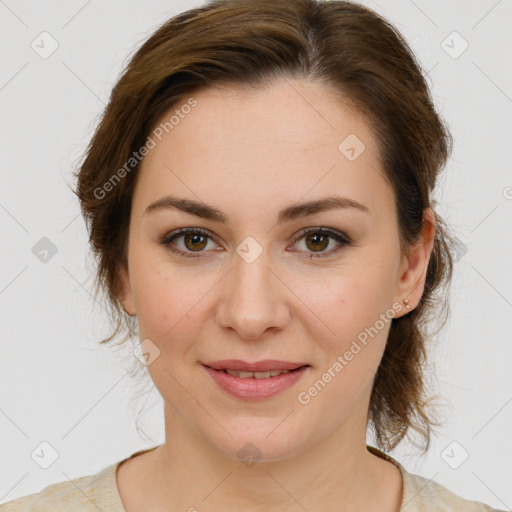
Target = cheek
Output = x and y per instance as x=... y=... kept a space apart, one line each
x=351 y=320
x=166 y=302
x=350 y=332
x=347 y=302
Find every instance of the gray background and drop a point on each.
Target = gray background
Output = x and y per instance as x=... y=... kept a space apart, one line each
x=58 y=386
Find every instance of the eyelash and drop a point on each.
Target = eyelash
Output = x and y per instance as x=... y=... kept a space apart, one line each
x=342 y=239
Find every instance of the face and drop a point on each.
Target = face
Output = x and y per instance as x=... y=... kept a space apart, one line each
x=257 y=275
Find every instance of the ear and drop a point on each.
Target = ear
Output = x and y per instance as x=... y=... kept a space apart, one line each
x=413 y=272
x=126 y=291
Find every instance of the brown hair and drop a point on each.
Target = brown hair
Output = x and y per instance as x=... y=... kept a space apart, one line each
x=352 y=51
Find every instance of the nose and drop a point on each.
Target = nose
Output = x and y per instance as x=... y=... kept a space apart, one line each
x=253 y=300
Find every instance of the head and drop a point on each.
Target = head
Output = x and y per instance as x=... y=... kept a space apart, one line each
x=253 y=109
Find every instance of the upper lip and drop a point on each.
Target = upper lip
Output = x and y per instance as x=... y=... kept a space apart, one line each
x=258 y=366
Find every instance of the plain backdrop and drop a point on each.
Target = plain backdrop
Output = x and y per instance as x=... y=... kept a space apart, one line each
x=58 y=386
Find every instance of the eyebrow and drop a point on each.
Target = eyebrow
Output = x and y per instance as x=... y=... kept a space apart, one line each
x=295 y=211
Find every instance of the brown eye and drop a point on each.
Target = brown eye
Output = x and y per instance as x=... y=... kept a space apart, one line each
x=317 y=242
x=189 y=242
x=195 y=242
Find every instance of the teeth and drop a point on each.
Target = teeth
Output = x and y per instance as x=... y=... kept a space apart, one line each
x=256 y=375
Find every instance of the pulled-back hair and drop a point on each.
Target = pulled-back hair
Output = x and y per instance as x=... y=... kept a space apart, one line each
x=353 y=52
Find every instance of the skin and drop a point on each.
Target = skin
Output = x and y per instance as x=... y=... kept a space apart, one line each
x=250 y=154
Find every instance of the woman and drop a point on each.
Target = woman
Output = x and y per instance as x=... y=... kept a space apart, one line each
x=259 y=197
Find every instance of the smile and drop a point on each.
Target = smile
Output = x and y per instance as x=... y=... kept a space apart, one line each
x=255 y=385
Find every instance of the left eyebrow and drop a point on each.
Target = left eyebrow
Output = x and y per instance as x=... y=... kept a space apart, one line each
x=310 y=208
x=205 y=211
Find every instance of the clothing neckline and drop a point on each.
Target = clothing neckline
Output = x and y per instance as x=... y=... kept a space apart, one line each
x=110 y=474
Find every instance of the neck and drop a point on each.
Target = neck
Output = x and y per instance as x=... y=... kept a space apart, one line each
x=338 y=473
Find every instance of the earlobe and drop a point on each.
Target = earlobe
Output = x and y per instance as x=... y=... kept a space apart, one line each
x=414 y=270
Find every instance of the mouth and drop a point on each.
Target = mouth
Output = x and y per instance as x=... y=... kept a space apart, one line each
x=238 y=366
x=267 y=378
x=257 y=375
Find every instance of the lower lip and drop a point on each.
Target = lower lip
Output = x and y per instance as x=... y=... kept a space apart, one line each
x=255 y=389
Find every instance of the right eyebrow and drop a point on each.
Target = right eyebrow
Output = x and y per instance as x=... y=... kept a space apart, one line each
x=205 y=211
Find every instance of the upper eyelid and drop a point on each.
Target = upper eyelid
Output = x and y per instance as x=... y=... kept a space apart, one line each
x=331 y=232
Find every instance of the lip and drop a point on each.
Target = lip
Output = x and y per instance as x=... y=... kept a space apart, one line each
x=252 y=389
x=258 y=366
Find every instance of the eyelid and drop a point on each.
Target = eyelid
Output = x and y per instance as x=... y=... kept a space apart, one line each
x=167 y=240
x=341 y=238
x=325 y=231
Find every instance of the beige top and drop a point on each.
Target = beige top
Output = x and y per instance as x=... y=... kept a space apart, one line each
x=100 y=492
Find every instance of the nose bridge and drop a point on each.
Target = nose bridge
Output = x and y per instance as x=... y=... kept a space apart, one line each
x=250 y=277
x=252 y=300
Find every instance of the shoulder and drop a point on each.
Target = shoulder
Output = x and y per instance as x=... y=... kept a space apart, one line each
x=421 y=494
x=83 y=494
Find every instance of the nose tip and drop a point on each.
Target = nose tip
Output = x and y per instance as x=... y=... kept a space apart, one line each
x=252 y=301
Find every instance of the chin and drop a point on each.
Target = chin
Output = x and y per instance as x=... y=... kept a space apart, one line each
x=266 y=440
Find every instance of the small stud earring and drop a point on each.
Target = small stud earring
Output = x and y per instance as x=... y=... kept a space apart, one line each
x=407 y=305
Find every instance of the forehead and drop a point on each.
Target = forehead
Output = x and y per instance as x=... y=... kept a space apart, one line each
x=284 y=141
x=305 y=114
